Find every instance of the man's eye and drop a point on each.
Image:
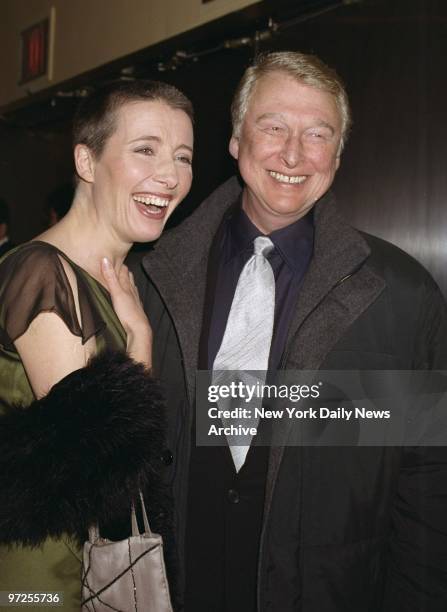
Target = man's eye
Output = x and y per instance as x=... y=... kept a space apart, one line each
x=274 y=129
x=319 y=135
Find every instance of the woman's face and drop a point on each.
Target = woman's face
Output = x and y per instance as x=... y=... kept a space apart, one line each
x=144 y=170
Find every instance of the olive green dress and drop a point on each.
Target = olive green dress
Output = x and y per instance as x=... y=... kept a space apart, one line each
x=33 y=280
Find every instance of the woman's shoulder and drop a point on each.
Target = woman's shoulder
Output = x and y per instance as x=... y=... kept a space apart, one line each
x=31 y=259
x=37 y=277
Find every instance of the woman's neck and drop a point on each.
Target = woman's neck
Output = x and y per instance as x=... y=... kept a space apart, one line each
x=85 y=241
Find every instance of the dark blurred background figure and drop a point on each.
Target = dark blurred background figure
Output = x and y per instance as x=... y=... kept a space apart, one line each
x=59 y=202
x=5 y=242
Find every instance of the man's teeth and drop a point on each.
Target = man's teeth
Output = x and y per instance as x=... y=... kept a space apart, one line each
x=154 y=200
x=283 y=178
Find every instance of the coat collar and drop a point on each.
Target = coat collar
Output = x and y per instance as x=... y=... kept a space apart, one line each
x=339 y=251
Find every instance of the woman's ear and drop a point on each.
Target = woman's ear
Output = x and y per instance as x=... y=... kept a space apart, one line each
x=84 y=163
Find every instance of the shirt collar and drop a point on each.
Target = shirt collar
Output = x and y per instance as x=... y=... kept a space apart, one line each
x=293 y=242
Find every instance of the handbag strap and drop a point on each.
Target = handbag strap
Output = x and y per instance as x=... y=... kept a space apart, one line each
x=133 y=518
x=93 y=532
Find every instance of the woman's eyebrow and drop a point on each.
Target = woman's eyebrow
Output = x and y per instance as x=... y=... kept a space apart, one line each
x=153 y=138
x=157 y=139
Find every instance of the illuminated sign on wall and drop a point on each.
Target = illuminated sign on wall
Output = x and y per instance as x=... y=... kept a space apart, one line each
x=35 y=51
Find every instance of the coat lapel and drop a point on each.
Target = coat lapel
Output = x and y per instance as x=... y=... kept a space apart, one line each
x=338 y=286
x=336 y=290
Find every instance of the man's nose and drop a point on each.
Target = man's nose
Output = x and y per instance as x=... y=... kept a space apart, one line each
x=292 y=151
x=166 y=173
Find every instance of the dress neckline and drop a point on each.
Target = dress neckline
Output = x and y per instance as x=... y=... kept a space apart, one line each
x=70 y=261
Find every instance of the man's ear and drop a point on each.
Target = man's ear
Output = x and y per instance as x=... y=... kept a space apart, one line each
x=234 y=147
x=84 y=162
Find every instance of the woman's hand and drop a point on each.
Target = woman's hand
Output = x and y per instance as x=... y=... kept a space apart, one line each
x=127 y=305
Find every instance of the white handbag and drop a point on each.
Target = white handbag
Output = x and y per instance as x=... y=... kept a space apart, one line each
x=128 y=575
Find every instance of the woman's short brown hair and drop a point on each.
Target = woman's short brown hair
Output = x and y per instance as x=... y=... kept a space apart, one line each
x=95 y=117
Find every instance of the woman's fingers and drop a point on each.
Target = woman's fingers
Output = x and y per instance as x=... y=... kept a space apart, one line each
x=125 y=298
x=109 y=274
x=127 y=305
x=134 y=287
x=124 y=278
x=123 y=281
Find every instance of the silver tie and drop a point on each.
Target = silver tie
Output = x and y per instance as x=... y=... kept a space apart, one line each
x=248 y=336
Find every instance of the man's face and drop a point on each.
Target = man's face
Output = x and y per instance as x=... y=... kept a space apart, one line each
x=288 y=150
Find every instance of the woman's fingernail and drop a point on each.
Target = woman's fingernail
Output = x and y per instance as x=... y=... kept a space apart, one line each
x=106 y=263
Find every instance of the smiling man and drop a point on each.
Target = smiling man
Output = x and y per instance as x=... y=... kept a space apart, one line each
x=288 y=148
x=270 y=276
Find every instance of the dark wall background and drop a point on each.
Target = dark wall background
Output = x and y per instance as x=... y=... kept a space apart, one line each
x=392 y=181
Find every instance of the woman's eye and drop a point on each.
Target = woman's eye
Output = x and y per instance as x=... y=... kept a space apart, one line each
x=184 y=159
x=146 y=151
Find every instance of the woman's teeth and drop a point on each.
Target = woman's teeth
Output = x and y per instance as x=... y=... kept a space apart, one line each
x=283 y=178
x=154 y=200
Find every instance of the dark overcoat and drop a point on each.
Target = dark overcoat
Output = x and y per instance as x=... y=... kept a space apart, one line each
x=345 y=529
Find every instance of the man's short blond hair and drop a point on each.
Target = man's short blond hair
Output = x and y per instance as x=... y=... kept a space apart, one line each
x=307 y=69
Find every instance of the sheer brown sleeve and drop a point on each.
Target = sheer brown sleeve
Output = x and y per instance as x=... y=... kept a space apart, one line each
x=33 y=280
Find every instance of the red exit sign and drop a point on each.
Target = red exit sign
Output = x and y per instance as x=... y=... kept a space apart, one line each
x=35 y=51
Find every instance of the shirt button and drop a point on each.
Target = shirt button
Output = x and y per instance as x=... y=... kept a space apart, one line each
x=233 y=496
x=167 y=457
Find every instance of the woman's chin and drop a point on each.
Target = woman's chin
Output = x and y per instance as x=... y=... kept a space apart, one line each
x=150 y=235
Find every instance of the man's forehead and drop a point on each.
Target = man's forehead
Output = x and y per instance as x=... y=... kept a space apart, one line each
x=276 y=92
x=278 y=83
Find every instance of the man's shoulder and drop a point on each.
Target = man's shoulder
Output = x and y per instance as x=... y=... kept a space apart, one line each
x=410 y=310
x=394 y=263
x=409 y=286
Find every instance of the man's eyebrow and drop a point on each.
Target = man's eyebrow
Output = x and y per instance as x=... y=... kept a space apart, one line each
x=157 y=139
x=319 y=122
x=271 y=116
x=327 y=125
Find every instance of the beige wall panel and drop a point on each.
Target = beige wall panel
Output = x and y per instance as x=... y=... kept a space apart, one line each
x=218 y=8
x=90 y=33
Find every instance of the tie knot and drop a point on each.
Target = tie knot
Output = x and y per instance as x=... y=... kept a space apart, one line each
x=262 y=245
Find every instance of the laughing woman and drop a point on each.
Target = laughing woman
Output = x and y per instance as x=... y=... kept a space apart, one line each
x=81 y=420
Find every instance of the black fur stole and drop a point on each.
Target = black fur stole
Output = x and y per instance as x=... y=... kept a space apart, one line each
x=80 y=454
